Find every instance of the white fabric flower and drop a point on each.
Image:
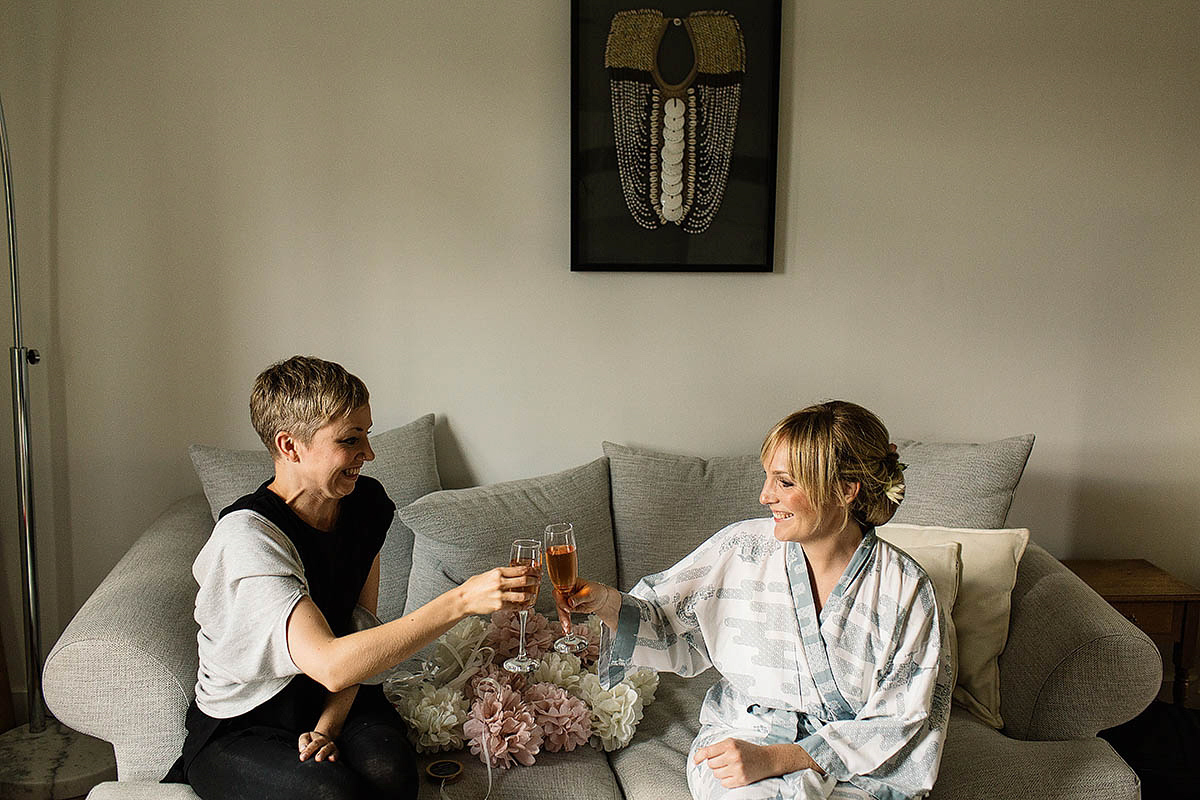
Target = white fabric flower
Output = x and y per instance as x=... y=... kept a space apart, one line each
x=895 y=492
x=454 y=647
x=615 y=715
x=646 y=683
x=435 y=717
x=588 y=687
x=561 y=669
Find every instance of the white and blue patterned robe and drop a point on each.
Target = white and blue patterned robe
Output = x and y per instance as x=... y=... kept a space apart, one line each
x=864 y=687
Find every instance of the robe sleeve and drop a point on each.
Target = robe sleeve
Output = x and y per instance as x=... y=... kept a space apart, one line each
x=892 y=747
x=658 y=625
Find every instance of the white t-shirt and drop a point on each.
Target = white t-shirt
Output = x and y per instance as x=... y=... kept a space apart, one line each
x=251 y=578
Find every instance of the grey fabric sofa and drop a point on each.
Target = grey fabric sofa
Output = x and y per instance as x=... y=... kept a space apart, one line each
x=125 y=667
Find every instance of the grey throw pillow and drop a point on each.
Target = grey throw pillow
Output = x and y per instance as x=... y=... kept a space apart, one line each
x=462 y=532
x=665 y=505
x=405 y=463
x=961 y=485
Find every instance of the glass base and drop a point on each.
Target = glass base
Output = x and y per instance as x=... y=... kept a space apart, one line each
x=571 y=643
x=521 y=664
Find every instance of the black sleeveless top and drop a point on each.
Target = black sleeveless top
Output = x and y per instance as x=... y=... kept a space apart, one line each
x=336 y=566
x=337 y=562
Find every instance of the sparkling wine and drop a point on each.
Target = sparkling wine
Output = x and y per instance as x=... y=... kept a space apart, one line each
x=563 y=566
x=529 y=562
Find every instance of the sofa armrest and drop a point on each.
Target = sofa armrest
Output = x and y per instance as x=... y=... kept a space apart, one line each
x=124 y=670
x=1073 y=665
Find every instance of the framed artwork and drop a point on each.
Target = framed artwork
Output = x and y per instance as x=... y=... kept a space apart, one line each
x=674 y=131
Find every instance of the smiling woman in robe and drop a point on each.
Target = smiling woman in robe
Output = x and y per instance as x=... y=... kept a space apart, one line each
x=835 y=673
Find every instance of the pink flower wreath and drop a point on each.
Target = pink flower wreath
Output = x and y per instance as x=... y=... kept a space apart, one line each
x=513 y=717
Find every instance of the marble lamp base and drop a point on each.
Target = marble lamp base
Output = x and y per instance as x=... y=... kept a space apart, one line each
x=56 y=764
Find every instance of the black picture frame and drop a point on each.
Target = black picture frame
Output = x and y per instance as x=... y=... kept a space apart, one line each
x=605 y=235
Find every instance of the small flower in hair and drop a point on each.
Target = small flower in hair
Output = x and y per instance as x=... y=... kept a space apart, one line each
x=895 y=487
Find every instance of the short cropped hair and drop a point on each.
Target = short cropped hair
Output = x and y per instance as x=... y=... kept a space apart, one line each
x=837 y=442
x=301 y=395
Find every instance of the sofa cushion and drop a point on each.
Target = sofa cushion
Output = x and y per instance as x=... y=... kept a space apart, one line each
x=980 y=762
x=665 y=505
x=942 y=562
x=462 y=532
x=654 y=763
x=981 y=613
x=961 y=485
x=405 y=463
x=581 y=773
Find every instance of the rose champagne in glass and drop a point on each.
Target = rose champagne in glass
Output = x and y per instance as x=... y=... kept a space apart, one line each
x=525 y=553
x=563 y=565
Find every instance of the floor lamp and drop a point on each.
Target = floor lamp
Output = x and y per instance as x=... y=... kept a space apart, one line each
x=43 y=759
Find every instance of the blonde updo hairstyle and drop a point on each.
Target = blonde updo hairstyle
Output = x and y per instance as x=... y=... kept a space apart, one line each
x=301 y=395
x=836 y=443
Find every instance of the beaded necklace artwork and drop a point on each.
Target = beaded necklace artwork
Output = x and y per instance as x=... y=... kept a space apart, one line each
x=674 y=141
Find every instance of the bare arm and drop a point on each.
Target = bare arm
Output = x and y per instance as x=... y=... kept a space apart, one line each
x=368 y=598
x=337 y=662
x=319 y=742
x=735 y=762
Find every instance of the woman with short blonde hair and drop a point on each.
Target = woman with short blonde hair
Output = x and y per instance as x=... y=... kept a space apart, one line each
x=283 y=580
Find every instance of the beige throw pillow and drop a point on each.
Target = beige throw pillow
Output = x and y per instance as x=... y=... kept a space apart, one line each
x=981 y=611
x=943 y=564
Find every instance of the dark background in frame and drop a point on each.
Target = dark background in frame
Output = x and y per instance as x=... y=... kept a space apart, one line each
x=604 y=235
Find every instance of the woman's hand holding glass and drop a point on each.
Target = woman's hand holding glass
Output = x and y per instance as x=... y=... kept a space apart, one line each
x=525 y=554
x=563 y=564
x=501 y=589
x=590 y=597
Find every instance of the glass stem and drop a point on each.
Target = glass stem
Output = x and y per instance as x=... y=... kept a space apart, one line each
x=524 y=614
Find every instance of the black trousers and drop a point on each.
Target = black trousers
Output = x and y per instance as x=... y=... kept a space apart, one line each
x=261 y=761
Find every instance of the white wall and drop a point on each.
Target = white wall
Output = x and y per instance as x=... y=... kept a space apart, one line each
x=988 y=224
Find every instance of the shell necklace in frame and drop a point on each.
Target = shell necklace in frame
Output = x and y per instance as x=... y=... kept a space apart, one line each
x=674 y=141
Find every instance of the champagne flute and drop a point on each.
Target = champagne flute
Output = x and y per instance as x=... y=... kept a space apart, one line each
x=563 y=565
x=525 y=553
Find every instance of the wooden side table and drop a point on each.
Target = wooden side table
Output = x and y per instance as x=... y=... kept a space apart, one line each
x=1156 y=601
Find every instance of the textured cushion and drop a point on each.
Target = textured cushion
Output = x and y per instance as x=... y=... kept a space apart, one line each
x=665 y=505
x=462 y=532
x=979 y=762
x=653 y=765
x=124 y=670
x=404 y=463
x=942 y=562
x=1073 y=665
x=581 y=773
x=131 y=790
x=961 y=485
x=989 y=571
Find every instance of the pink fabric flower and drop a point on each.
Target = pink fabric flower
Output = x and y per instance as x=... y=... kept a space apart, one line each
x=588 y=655
x=504 y=634
x=565 y=720
x=501 y=724
x=497 y=673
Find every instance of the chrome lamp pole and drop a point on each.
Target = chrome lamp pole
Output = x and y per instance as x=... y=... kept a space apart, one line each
x=22 y=357
x=38 y=761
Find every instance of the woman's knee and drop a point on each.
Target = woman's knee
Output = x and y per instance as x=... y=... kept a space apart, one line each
x=382 y=756
x=392 y=775
x=326 y=780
